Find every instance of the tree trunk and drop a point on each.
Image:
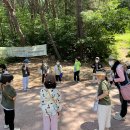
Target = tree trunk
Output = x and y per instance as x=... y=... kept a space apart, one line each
x=2 y=34
x=66 y=7
x=15 y=22
x=32 y=10
x=45 y=23
x=12 y=27
x=53 y=8
x=79 y=19
x=79 y=26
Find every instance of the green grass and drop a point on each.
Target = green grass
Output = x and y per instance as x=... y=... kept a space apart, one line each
x=123 y=40
x=122 y=44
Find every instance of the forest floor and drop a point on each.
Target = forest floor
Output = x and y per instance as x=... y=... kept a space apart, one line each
x=78 y=97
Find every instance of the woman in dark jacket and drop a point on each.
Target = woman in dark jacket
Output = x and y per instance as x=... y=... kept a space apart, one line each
x=96 y=66
x=120 y=79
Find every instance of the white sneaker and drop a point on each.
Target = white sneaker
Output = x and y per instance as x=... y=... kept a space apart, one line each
x=128 y=104
x=6 y=126
x=118 y=117
x=117 y=113
x=16 y=128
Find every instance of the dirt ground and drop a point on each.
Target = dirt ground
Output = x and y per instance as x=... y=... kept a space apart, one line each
x=78 y=98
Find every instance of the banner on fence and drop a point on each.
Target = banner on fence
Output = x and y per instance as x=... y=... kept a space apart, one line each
x=29 y=51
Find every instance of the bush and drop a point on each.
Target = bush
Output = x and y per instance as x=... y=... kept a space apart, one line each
x=8 y=60
x=128 y=55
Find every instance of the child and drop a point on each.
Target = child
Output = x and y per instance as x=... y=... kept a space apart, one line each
x=26 y=74
x=104 y=104
x=8 y=100
x=50 y=103
x=97 y=66
x=44 y=70
x=58 y=71
x=77 y=66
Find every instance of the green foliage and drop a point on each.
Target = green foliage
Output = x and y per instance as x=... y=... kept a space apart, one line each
x=128 y=55
x=8 y=60
x=2 y=61
x=100 y=24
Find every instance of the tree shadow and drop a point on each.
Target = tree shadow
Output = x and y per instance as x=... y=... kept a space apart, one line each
x=115 y=125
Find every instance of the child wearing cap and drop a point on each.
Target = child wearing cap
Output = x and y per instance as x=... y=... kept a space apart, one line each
x=58 y=71
x=26 y=74
x=104 y=102
x=97 y=66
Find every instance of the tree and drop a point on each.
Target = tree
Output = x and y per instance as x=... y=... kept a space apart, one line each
x=15 y=22
x=45 y=23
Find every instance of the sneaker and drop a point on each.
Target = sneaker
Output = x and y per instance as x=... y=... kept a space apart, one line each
x=16 y=128
x=118 y=117
x=6 y=126
x=128 y=104
x=117 y=113
x=24 y=90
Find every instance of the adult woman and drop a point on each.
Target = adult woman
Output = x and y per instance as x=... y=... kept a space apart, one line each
x=44 y=71
x=77 y=66
x=120 y=79
x=8 y=100
x=50 y=103
x=26 y=74
x=58 y=71
x=96 y=66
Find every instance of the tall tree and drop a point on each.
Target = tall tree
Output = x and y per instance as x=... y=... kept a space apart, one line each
x=79 y=25
x=79 y=19
x=11 y=11
x=45 y=23
x=52 y=2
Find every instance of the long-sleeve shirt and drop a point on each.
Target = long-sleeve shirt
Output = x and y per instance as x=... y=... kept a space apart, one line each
x=97 y=67
x=77 y=66
x=58 y=69
x=45 y=69
x=25 y=71
x=120 y=73
x=49 y=101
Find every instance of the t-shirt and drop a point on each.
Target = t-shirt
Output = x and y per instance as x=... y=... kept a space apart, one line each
x=8 y=93
x=104 y=86
x=58 y=69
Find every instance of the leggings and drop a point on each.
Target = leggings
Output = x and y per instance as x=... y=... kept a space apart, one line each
x=50 y=122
